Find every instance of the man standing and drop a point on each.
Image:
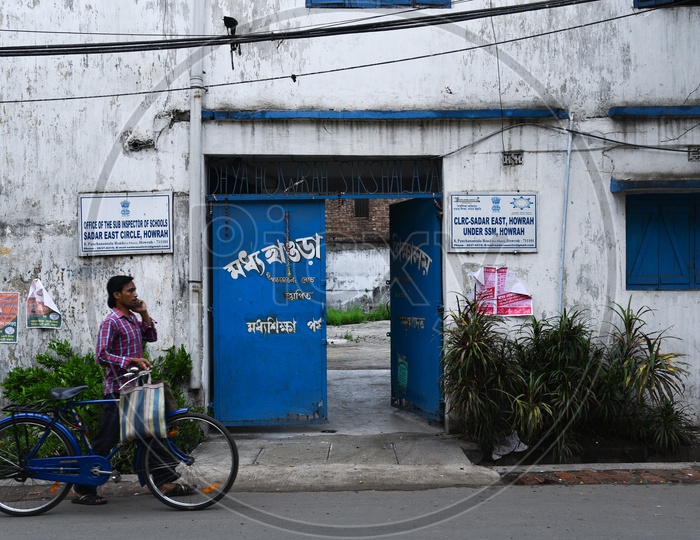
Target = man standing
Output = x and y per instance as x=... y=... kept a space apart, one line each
x=119 y=347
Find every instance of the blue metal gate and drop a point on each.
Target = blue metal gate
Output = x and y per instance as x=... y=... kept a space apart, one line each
x=269 y=332
x=416 y=307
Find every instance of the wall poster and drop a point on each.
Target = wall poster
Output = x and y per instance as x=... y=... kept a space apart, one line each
x=501 y=293
x=9 y=313
x=41 y=309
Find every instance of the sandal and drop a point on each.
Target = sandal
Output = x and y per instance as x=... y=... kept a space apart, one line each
x=180 y=490
x=89 y=499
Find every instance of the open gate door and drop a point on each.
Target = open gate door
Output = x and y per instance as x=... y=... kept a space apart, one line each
x=416 y=307
x=269 y=331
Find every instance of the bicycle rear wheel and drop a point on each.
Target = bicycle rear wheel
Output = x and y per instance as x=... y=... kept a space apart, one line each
x=199 y=454
x=20 y=493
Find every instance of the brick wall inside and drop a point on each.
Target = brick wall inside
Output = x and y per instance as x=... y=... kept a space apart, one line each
x=342 y=225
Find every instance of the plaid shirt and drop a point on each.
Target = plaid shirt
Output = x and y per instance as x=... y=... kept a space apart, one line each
x=120 y=339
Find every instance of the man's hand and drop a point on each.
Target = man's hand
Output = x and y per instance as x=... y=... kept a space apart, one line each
x=139 y=306
x=141 y=363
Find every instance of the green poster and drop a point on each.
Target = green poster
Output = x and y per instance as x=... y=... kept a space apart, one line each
x=9 y=314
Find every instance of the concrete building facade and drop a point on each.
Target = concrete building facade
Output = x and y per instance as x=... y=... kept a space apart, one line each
x=594 y=107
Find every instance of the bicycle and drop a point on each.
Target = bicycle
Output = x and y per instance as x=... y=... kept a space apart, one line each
x=41 y=457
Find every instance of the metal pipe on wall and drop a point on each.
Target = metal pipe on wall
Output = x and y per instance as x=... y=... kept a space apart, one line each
x=566 y=210
x=196 y=208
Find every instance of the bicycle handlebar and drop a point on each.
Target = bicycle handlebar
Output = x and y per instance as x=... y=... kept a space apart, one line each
x=133 y=374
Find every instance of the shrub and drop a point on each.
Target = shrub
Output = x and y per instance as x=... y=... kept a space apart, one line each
x=639 y=383
x=62 y=367
x=665 y=426
x=553 y=383
x=560 y=360
x=175 y=368
x=478 y=374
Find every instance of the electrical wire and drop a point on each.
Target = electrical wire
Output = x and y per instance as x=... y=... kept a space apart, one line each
x=389 y=13
x=559 y=129
x=332 y=70
x=185 y=43
x=332 y=29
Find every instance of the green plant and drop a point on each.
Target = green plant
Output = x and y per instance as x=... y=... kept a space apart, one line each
x=478 y=374
x=559 y=359
x=355 y=315
x=555 y=384
x=380 y=313
x=648 y=373
x=59 y=367
x=531 y=409
x=639 y=383
x=175 y=368
x=666 y=426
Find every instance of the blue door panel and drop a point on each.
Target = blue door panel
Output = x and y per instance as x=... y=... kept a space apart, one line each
x=268 y=280
x=416 y=307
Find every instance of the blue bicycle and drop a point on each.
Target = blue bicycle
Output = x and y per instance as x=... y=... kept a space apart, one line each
x=41 y=457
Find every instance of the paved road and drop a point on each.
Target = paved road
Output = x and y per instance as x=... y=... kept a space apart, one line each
x=546 y=512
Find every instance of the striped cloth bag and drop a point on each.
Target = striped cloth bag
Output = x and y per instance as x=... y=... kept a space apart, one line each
x=142 y=412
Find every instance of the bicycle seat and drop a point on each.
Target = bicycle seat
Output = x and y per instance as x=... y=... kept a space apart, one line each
x=66 y=393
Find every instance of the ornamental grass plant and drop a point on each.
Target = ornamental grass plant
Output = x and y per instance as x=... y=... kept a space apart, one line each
x=641 y=383
x=555 y=384
x=480 y=376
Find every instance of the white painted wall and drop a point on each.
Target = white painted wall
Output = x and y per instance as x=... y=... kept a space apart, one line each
x=357 y=276
x=53 y=150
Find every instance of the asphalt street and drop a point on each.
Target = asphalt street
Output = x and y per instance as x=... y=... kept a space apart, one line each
x=543 y=513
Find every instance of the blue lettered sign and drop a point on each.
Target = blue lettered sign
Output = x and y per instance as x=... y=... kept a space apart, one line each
x=493 y=222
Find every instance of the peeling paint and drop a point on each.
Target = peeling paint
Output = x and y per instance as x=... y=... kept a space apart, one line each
x=55 y=150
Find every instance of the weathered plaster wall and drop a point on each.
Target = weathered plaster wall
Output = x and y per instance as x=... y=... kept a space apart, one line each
x=640 y=60
x=585 y=69
x=53 y=150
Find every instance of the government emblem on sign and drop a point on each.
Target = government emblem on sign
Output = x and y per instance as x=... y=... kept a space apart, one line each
x=522 y=203
x=496 y=202
x=125 y=207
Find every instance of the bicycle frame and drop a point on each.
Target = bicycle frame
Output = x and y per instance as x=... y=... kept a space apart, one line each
x=81 y=468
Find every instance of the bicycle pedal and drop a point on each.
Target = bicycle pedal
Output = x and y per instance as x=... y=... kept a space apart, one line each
x=116 y=477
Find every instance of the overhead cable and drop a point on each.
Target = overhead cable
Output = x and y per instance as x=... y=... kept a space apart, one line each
x=186 y=43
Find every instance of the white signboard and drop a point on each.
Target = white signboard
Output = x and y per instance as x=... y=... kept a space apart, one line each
x=125 y=223
x=493 y=222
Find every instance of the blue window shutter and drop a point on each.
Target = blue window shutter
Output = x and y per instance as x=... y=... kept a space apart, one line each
x=642 y=244
x=662 y=247
x=674 y=246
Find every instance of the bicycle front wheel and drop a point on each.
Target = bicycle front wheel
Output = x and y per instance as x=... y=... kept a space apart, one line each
x=199 y=455
x=21 y=494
